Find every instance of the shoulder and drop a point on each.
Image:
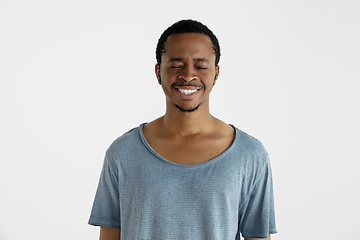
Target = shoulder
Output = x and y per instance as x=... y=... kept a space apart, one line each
x=125 y=142
x=250 y=150
x=249 y=143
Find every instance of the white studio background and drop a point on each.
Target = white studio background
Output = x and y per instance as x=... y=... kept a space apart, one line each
x=77 y=74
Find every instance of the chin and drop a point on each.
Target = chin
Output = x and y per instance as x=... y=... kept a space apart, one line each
x=190 y=110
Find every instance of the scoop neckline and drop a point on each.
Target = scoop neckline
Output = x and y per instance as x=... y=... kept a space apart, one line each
x=215 y=159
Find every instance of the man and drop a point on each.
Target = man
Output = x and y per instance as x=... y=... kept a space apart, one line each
x=185 y=175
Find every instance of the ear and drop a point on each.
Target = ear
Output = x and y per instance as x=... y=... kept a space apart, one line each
x=157 y=73
x=217 y=71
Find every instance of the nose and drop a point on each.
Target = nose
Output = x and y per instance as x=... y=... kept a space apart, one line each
x=188 y=74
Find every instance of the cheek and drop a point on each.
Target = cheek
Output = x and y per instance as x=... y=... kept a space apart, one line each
x=208 y=78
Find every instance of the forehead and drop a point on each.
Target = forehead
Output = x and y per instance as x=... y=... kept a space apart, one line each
x=180 y=45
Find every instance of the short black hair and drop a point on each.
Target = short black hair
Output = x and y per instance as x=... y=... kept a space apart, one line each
x=187 y=26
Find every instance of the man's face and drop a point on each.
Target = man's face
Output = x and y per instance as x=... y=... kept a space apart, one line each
x=187 y=72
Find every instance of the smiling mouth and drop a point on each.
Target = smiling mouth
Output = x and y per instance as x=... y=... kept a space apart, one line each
x=187 y=91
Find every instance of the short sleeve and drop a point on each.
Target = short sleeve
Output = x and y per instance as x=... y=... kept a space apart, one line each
x=257 y=215
x=106 y=206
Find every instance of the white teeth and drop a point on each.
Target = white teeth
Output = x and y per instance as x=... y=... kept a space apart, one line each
x=186 y=91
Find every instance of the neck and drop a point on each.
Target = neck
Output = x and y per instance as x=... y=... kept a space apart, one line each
x=187 y=123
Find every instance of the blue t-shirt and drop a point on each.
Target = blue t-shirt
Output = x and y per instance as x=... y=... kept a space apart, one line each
x=149 y=197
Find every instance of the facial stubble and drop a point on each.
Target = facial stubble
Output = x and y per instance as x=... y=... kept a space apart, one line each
x=188 y=110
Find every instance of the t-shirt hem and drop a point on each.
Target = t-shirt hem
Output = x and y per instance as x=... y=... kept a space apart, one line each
x=103 y=223
x=261 y=237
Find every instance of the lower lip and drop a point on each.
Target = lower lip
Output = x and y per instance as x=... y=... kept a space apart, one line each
x=187 y=96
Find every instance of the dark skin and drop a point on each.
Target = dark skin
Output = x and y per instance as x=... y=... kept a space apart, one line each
x=187 y=75
x=188 y=137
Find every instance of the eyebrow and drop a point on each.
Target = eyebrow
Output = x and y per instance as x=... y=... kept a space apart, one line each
x=201 y=60
x=176 y=60
x=194 y=59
